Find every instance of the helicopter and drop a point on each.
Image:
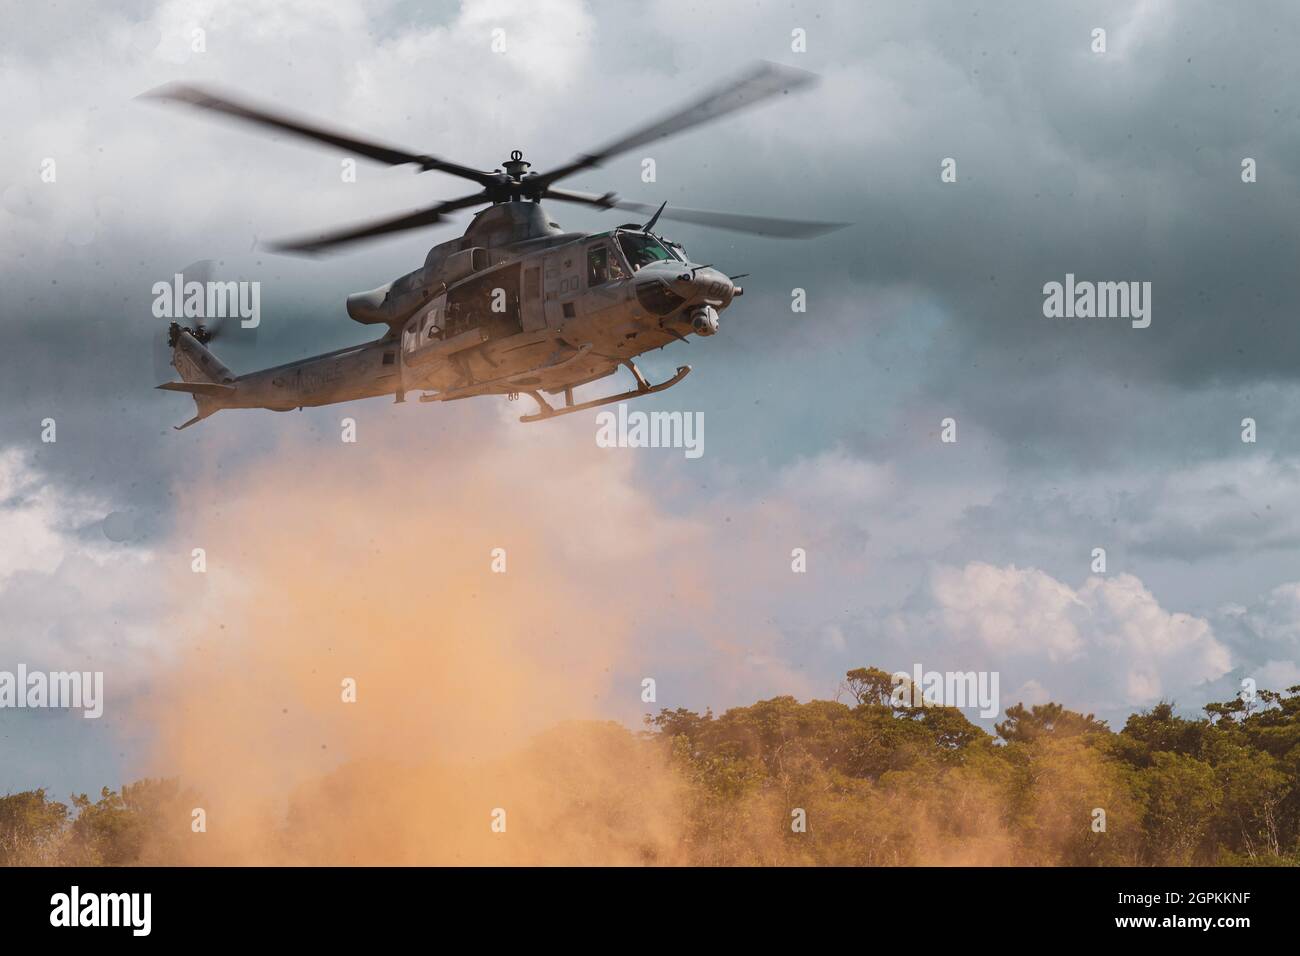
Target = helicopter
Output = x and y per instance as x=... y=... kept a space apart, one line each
x=516 y=305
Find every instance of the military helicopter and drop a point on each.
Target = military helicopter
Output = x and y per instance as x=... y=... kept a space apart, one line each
x=514 y=306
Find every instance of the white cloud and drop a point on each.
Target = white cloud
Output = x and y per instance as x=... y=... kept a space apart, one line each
x=70 y=600
x=839 y=476
x=1277 y=675
x=35 y=519
x=1009 y=610
x=1266 y=634
x=1105 y=645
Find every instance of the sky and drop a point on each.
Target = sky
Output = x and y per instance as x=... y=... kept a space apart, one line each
x=823 y=428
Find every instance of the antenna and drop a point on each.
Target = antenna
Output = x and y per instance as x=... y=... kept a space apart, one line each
x=654 y=219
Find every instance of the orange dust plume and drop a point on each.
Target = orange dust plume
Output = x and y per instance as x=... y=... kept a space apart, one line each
x=393 y=661
x=378 y=661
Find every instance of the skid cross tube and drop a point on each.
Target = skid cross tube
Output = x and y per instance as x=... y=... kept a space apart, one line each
x=545 y=410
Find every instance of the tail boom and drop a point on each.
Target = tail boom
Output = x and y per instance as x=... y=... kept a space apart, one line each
x=203 y=376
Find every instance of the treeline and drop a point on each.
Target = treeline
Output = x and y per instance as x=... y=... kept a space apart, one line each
x=881 y=784
x=857 y=781
x=114 y=830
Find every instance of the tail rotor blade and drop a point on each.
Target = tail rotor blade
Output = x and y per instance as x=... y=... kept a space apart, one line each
x=201 y=271
x=163 y=370
x=220 y=296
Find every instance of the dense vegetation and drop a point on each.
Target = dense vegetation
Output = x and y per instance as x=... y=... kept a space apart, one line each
x=873 y=783
x=883 y=784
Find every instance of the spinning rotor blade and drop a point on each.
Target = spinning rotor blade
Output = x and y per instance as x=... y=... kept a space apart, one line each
x=760 y=83
x=202 y=272
x=162 y=355
x=223 y=325
x=423 y=217
x=205 y=99
x=755 y=225
x=769 y=226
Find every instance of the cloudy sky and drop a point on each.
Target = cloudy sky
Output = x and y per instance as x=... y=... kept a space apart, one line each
x=822 y=429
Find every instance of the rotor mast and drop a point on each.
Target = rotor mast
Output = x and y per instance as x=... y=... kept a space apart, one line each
x=517 y=167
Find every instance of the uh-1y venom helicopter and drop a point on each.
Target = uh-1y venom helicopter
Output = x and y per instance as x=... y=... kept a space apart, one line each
x=516 y=304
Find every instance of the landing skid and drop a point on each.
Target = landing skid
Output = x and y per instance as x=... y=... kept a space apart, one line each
x=546 y=410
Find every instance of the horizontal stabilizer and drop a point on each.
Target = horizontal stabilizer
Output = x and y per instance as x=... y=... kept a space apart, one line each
x=210 y=389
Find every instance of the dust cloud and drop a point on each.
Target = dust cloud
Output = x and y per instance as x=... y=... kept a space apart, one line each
x=480 y=732
x=475 y=691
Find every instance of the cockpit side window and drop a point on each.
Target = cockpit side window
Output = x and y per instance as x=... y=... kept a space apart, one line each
x=641 y=249
x=597 y=265
x=603 y=265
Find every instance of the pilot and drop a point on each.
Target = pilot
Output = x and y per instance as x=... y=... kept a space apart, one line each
x=598 y=267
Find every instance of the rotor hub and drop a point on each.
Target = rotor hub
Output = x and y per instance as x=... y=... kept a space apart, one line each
x=516 y=166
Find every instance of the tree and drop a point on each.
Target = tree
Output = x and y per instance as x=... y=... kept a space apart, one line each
x=106 y=831
x=870 y=686
x=1024 y=725
x=31 y=827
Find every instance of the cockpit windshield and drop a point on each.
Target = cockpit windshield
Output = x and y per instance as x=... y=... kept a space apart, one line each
x=641 y=249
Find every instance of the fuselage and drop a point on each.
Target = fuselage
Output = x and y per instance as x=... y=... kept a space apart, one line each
x=533 y=308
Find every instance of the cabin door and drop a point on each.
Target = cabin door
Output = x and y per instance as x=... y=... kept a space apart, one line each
x=533 y=310
x=562 y=284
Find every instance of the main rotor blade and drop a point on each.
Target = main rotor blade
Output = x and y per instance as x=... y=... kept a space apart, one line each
x=755 y=225
x=422 y=217
x=208 y=100
x=763 y=81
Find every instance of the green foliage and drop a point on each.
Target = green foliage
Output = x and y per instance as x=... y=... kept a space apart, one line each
x=139 y=825
x=883 y=783
x=31 y=829
x=869 y=782
x=1043 y=720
